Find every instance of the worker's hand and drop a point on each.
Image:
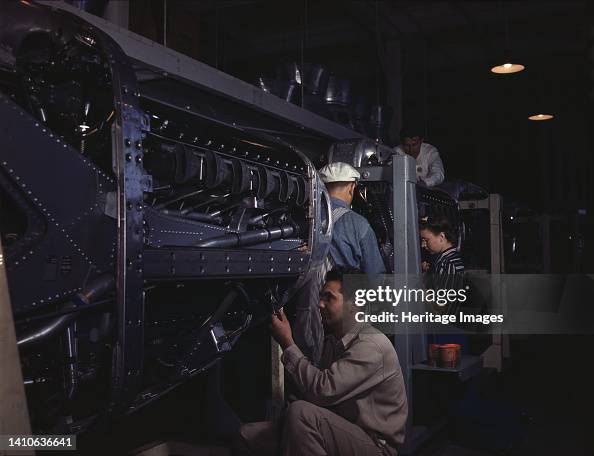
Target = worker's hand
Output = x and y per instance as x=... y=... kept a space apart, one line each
x=281 y=330
x=424 y=266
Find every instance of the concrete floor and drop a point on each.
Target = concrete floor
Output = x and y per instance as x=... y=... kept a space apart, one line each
x=551 y=378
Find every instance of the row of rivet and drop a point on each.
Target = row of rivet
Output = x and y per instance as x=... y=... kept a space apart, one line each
x=59 y=141
x=49 y=299
x=233 y=149
x=51 y=219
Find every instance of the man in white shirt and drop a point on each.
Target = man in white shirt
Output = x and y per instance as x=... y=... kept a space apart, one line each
x=429 y=165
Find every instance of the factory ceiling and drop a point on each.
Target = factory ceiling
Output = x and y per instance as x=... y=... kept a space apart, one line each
x=449 y=32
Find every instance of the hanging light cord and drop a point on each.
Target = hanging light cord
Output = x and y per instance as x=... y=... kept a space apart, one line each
x=507 y=31
x=165 y=23
x=425 y=84
x=217 y=36
x=378 y=44
x=505 y=14
x=302 y=52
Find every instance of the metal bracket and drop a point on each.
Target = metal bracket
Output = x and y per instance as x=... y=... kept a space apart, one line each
x=219 y=338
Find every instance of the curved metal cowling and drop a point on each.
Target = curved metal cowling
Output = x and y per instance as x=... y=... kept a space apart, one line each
x=108 y=237
x=21 y=22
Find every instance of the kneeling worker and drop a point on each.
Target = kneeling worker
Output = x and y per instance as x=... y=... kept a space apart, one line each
x=355 y=403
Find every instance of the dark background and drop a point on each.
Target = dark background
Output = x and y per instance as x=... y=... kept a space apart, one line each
x=432 y=59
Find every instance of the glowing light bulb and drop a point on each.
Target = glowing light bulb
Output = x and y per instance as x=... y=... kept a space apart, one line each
x=541 y=117
x=508 y=68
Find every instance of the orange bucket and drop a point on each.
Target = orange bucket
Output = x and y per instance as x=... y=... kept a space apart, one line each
x=450 y=355
x=434 y=354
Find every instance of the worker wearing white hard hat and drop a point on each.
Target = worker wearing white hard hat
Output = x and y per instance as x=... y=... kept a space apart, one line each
x=354 y=243
x=339 y=172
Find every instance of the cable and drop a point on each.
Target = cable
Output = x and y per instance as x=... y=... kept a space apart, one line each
x=217 y=36
x=303 y=35
x=425 y=84
x=165 y=23
x=64 y=312
x=377 y=44
x=235 y=126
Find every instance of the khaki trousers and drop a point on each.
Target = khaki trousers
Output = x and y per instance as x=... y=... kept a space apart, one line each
x=309 y=430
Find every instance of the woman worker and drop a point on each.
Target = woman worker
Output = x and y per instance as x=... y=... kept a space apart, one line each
x=439 y=236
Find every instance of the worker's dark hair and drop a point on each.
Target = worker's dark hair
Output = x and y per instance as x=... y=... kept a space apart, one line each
x=412 y=130
x=336 y=186
x=337 y=274
x=440 y=224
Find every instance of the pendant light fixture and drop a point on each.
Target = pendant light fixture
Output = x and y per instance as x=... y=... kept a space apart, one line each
x=539 y=117
x=541 y=105
x=507 y=67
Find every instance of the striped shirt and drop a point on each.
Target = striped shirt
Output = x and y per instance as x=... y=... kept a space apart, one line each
x=447 y=272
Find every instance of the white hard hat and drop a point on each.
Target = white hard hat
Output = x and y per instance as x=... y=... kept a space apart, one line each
x=339 y=172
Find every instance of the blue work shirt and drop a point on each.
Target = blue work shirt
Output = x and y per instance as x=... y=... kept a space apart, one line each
x=354 y=243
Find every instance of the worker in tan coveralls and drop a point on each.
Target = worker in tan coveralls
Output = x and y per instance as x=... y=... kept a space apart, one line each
x=354 y=404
